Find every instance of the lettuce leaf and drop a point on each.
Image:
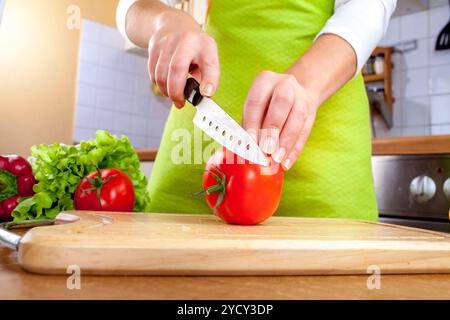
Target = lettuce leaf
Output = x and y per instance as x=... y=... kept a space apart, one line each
x=59 y=168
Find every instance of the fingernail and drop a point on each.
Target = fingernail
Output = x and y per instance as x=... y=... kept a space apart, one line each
x=208 y=90
x=278 y=157
x=268 y=144
x=287 y=164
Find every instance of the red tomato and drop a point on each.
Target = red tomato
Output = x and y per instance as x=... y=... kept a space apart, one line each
x=8 y=206
x=18 y=165
x=251 y=193
x=25 y=184
x=116 y=191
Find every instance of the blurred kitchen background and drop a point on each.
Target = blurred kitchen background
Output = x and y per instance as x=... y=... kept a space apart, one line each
x=65 y=72
x=420 y=74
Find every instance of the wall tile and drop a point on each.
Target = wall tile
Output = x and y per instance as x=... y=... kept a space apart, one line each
x=125 y=82
x=103 y=119
x=86 y=94
x=440 y=79
x=91 y=31
x=440 y=109
x=397 y=113
x=114 y=91
x=139 y=141
x=398 y=80
x=138 y=125
x=392 y=34
x=109 y=57
x=87 y=73
x=414 y=26
x=416 y=131
x=124 y=101
x=417 y=58
x=89 y=52
x=112 y=38
x=155 y=127
x=141 y=66
x=415 y=83
x=416 y=112
x=142 y=105
x=384 y=132
x=84 y=116
x=160 y=107
x=153 y=142
x=127 y=62
x=106 y=98
x=142 y=85
x=440 y=129
x=122 y=123
x=82 y=134
x=107 y=77
x=439 y=16
x=437 y=57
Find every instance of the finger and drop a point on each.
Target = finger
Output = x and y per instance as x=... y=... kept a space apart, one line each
x=162 y=67
x=209 y=67
x=281 y=103
x=257 y=101
x=178 y=70
x=300 y=143
x=291 y=130
x=153 y=56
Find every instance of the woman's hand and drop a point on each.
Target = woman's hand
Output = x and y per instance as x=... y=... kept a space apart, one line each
x=282 y=113
x=178 y=47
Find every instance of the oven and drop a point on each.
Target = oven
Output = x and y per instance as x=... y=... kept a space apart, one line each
x=413 y=190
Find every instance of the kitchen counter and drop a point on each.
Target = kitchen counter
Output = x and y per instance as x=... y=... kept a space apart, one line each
x=411 y=145
x=18 y=284
x=380 y=146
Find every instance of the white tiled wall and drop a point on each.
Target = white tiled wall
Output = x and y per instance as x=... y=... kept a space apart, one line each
x=421 y=79
x=114 y=92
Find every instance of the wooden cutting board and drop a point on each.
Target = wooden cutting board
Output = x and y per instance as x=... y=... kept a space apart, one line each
x=178 y=244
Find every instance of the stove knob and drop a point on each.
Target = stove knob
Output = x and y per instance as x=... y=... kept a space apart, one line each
x=422 y=189
x=447 y=188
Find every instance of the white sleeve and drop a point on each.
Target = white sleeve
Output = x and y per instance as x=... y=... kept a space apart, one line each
x=122 y=10
x=362 y=23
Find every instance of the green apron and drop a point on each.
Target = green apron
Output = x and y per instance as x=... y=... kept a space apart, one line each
x=332 y=177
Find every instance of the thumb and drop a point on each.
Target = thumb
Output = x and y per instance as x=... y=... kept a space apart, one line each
x=210 y=70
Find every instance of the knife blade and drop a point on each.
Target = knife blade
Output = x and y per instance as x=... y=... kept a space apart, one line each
x=221 y=127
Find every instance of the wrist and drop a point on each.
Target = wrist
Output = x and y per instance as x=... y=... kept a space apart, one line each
x=310 y=93
x=175 y=19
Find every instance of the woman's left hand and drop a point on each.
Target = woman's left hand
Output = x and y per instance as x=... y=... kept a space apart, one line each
x=281 y=113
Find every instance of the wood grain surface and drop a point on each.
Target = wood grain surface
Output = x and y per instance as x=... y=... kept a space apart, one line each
x=179 y=244
x=411 y=145
x=15 y=283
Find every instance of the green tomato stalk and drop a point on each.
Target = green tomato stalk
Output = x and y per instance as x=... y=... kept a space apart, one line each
x=216 y=188
x=8 y=185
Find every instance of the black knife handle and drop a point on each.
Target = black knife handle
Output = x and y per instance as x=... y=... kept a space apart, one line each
x=192 y=92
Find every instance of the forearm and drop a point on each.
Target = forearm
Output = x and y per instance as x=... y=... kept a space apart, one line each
x=145 y=17
x=327 y=65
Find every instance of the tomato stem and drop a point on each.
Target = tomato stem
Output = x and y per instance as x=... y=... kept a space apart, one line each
x=8 y=185
x=98 y=183
x=216 y=188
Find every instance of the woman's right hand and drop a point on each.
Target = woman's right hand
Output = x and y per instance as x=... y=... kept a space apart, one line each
x=179 y=47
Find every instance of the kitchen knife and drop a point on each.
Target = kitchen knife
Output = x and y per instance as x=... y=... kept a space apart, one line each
x=217 y=124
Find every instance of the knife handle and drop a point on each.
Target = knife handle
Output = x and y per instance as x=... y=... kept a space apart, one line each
x=192 y=92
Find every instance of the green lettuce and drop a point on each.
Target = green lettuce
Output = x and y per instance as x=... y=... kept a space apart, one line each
x=59 y=168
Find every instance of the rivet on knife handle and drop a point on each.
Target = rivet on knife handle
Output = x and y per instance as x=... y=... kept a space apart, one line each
x=192 y=92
